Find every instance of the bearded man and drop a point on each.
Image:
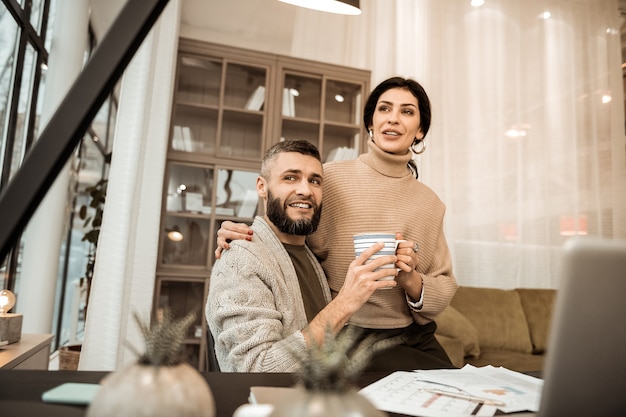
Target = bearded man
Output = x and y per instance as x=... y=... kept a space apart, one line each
x=268 y=296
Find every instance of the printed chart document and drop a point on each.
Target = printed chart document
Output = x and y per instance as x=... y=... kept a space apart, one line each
x=469 y=391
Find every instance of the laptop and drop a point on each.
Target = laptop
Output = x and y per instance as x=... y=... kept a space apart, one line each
x=585 y=369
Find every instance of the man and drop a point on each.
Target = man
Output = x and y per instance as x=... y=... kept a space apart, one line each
x=268 y=297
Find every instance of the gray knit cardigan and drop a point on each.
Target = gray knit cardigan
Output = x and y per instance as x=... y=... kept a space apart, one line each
x=254 y=307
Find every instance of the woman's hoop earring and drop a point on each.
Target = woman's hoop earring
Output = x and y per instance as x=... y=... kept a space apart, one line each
x=371 y=133
x=415 y=144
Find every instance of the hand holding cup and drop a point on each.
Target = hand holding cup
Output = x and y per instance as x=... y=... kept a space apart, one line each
x=363 y=241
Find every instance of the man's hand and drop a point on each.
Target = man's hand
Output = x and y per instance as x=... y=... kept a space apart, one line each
x=228 y=232
x=362 y=278
x=361 y=281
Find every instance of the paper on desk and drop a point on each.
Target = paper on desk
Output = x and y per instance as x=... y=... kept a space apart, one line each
x=454 y=407
x=404 y=392
x=519 y=391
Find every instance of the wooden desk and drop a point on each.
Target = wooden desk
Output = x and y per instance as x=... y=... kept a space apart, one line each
x=20 y=391
x=31 y=352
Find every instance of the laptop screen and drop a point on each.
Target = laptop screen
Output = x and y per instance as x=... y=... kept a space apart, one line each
x=585 y=371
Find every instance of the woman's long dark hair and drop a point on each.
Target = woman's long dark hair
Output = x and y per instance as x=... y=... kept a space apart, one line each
x=423 y=103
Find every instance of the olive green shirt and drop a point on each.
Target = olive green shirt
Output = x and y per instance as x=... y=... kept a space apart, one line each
x=312 y=294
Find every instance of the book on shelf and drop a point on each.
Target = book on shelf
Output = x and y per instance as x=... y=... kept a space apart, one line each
x=342 y=153
x=225 y=211
x=187 y=139
x=256 y=100
x=177 y=138
x=289 y=106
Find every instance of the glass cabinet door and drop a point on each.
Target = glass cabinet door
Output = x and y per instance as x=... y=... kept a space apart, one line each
x=219 y=108
x=323 y=111
x=301 y=105
x=185 y=241
x=189 y=188
x=343 y=103
x=243 y=121
x=236 y=193
x=192 y=201
x=194 y=125
x=199 y=80
x=302 y=97
x=184 y=238
x=181 y=296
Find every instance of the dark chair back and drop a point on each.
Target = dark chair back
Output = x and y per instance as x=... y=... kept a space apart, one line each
x=212 y=363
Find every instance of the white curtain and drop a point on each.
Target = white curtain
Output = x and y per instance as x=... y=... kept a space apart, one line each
x=527 y=144
x=127 y=249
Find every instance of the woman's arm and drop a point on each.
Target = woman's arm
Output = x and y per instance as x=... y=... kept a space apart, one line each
x=228 y=232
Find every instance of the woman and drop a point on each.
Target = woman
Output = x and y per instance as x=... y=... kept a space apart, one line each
x=379 y=192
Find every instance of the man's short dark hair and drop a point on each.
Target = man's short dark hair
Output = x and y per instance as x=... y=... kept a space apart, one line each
x=297 y=145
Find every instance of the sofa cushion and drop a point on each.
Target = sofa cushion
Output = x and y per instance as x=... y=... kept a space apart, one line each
x=451 y=323
x=538 y=307
x=497 y=315
x=453 y=348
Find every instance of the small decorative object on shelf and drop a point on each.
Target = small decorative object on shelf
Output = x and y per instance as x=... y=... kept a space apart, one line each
x=10 y=323
x=159 y=383
x=327 y=378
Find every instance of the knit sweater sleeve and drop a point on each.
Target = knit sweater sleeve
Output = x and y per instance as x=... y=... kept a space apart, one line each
x=438 y=280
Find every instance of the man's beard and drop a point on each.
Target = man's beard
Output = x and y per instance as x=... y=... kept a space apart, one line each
x=277 y=213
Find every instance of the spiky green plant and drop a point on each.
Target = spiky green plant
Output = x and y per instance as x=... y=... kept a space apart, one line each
x=328 y=373
x=164 y=339
x=336 y=363
x=160 y=383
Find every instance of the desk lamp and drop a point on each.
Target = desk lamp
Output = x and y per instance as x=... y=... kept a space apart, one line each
x=10 y=324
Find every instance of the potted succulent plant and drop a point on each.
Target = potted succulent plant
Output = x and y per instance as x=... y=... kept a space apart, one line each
x=327 y=376
x=159 y=383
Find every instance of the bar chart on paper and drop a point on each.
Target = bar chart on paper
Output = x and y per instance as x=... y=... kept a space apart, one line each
x=407 y=393
x=460 y=392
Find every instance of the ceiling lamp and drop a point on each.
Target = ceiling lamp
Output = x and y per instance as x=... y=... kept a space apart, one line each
x=351 y=7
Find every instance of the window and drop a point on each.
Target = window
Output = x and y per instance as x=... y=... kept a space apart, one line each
x=23 y=55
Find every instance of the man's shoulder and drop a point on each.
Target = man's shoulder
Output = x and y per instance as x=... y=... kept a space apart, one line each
x=244 y=258
x=263 y=246
x=255 y=248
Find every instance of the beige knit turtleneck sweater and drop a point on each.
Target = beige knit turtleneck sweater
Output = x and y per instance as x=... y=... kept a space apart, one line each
x=377 y=193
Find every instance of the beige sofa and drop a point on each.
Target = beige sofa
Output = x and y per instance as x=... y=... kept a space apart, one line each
x=489 y=326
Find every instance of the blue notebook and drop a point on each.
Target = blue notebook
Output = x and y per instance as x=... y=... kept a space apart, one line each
x=71 y=393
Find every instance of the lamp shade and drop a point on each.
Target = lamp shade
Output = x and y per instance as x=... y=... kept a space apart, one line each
x=174 y=234
x=350 y=7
